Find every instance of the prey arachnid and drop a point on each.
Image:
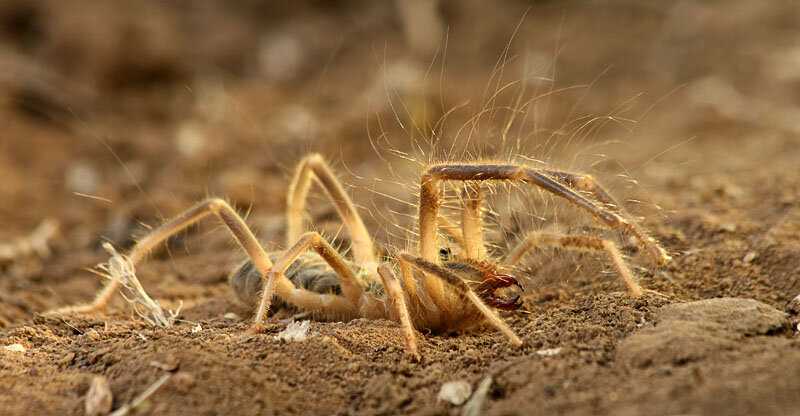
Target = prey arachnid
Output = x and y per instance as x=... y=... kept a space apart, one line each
x=436 y=291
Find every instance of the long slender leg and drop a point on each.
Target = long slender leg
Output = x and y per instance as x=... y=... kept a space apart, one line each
x=238 y=228
x=430 y=201
x=463 y=289
x=472 y=222
x=587 y=183
x=409 y=282
x=453 y=231
x=577 y=242
x=278 y=283
x=314 y=167
x=422 y=303
x=395 y=294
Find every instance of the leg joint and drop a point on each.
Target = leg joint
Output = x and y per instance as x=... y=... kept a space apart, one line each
x=315 y=159
x=313 y=237
x=216 y=205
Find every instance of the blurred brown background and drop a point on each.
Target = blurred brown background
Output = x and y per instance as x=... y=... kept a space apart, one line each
x=221 y=97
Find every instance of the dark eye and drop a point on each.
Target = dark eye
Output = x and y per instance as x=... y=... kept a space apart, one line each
x=445 y=253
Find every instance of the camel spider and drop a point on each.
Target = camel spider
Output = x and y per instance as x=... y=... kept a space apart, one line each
x=437 y=291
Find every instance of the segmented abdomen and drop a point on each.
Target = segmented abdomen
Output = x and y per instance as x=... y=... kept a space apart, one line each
x=309 y=271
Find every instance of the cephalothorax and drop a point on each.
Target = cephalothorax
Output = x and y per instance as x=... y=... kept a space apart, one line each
x=437 y=290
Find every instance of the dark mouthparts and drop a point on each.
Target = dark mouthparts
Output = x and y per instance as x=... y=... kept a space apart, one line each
x=486 y=291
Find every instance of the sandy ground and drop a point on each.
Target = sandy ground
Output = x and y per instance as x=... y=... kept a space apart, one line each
x=116 y=116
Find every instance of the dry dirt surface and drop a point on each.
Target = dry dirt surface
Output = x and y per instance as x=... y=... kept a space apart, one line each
x=116 y=115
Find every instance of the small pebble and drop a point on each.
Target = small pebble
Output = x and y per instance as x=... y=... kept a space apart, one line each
x=15 y=348
x=749 y=257
x=549 y=352
x=294 y=332
x=232 y=316
x=455 y=392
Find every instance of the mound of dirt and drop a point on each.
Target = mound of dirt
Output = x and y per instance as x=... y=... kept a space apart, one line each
x=685 y=332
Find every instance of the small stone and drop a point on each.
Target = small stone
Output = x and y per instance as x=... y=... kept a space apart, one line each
x=455 y=392
x=749 y=257
x=15 y=348
x=294 y=332
x=232 y=316
x=196 y=329
x=549 y=352
x=99 y=398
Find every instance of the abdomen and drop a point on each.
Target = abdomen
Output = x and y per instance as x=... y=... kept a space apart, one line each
x=309 y=272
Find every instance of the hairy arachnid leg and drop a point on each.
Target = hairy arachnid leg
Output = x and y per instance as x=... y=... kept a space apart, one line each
x=314 y=167
x=587 y=183
x=276 y=282
x=463 y=289
x=472 y=222
x=394 y=293
x=235 y=224
x=577 y=242
x=430 y=201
